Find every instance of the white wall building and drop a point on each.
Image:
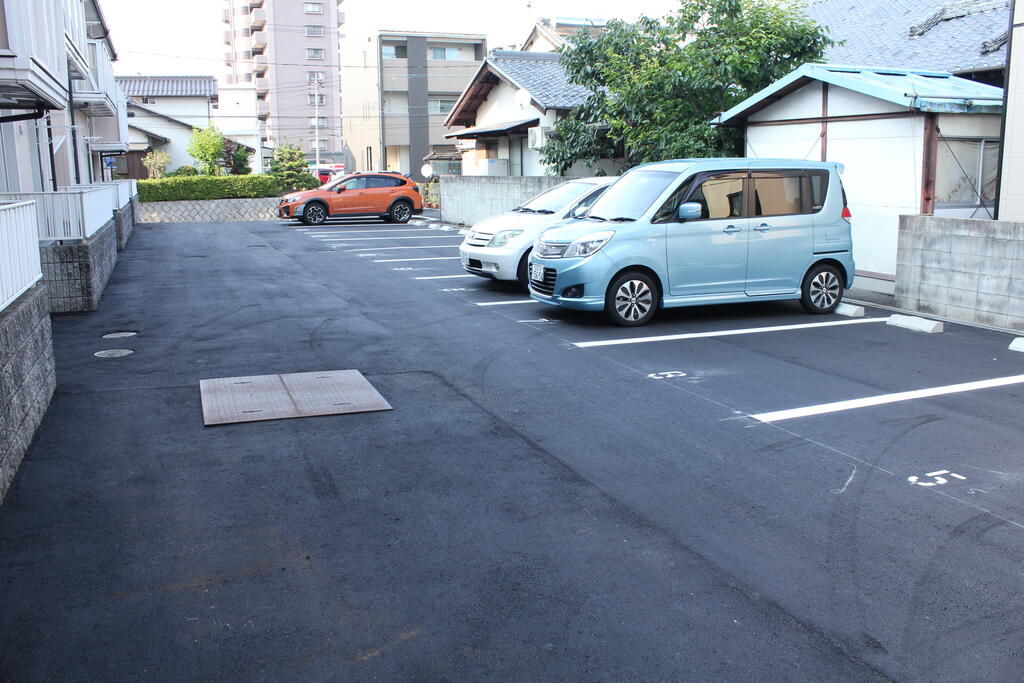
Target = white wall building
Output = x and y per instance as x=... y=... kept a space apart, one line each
x=911 y=142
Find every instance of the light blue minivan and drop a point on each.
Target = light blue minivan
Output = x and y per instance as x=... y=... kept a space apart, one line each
x=702 y=231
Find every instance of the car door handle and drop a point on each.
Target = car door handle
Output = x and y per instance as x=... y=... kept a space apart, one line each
x=731 y=229
x=764 y=227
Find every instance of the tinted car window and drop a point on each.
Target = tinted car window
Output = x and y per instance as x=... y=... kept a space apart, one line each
x=720 y=195
x=357 y=183
x=382 y=181
x=667 y=212
x=631 y=195
x=777 y=194
x=819 y=189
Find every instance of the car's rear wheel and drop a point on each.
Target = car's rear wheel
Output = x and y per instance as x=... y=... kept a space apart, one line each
x=400 y=212
x=523 y=271
x=632 y=299
x=315 y=214
x=822 y=289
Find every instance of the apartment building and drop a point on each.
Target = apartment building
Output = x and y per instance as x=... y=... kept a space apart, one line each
x=288 y=51
x=397 y=90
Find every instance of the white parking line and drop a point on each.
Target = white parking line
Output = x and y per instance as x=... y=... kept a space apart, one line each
x=432 y=246
x=347 y=232
x=507 y=303
x=402 y=237
x=779 y=415
x=441 y=277
x=726 y=333
x=425 y=258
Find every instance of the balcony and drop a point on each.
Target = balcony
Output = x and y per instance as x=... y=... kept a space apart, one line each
x=229 y=38
x=70 y=213
x=19 y=250
x=229 y=58
x=110 y=133
x=99 y=94
x=76 y=36
x=226 y=16
x=255 y=3
x=263 y=109
x=34 y=70
x=341 y=18
x=258 y=18
x=258 y=41
x=262 y=86
x=260 y=63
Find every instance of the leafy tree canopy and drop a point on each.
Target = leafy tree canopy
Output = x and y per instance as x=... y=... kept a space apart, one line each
x=207 y=148
x=290 y=168
x=655 y=84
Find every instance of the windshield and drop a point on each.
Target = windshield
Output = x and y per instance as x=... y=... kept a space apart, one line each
x=631 y=195
x=556 y=198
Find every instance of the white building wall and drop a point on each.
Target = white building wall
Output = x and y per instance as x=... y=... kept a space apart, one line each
x=1011 y=199
x=194 y=111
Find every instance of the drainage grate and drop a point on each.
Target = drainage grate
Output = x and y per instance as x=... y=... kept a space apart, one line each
x=275 y=397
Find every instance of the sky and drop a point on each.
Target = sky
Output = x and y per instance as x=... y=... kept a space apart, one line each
x=188 y=40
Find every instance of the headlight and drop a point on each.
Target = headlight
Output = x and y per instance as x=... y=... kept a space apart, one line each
x=502 y=238
x=588 y=244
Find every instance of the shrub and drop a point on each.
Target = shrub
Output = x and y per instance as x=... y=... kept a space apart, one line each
x=207 y=148
x=208 y=187
x=183 y=171
x=156 y=163
x=290 y=168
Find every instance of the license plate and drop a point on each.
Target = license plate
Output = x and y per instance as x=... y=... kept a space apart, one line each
x=536 y=272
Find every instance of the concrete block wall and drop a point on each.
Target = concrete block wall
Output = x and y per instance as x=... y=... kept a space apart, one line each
x=209 y=211
x=963 y=269
x=468 y=199
x=27 y=377
x=76 y=272
x=124 y=218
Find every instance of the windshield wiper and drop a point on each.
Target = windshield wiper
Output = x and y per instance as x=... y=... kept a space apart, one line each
x=542 y=211
x=524 y=209
x=621 y=219
x=595 y=218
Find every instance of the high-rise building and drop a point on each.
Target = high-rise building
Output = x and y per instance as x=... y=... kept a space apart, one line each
x=399 y=86
x=288 y=51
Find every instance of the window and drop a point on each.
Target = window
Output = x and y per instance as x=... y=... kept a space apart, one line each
x=721 y=196
x=149 y=100
x=314 y=30
x=316 y=99
x=965 y=171
x=314 y=53
x=313 y=7
x=359 y=183
x=317 y=121
x=440 y=104
x=448 y=53
x=777 y=194
x=314 y=76
x=632 y=195
x=318 y=144
x=394 y=51
x=382 y=181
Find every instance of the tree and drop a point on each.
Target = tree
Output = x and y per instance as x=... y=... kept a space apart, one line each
x=656 y=84
x=156 y=163
x=207 y=148
x=290 y=169
x=235 y=159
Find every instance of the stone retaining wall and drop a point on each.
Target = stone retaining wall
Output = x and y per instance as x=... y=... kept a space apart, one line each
x=77 y=271
x=209 y=211
x=125 y=221
x=27 y=377
x=468 y=199
x=963 y=269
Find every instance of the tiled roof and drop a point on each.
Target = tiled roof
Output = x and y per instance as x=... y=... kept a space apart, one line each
x=952 y=33
x=168 y=86
x=542 y=75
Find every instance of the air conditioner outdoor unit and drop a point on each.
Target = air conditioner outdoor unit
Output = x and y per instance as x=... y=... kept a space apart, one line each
x=537 y=137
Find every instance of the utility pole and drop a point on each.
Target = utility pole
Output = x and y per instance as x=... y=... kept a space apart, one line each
x=316 y=119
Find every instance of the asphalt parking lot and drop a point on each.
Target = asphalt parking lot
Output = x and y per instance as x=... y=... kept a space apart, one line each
x=551 y=497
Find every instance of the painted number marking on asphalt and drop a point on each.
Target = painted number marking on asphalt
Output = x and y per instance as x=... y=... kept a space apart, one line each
x=938 y=477
x=666 y=375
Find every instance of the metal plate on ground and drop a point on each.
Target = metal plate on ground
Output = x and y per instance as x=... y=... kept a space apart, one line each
x=274 y=397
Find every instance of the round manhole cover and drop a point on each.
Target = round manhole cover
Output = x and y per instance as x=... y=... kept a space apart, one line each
x=119 y=335
x=113 y=353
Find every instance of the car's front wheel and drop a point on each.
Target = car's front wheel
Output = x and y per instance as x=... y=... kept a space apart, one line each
x=315 y=214
x=400 y=212
x=631 y=300
x=523 y=271
x=822 y=289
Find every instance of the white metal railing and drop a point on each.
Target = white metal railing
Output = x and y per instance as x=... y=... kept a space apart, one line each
x=19 y=251
x=70 y=213
x=121 y=195
x=75 y=24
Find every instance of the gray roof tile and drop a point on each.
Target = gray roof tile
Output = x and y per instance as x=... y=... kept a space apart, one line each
x=877 y=33
x=168 y=86
x=542 y=75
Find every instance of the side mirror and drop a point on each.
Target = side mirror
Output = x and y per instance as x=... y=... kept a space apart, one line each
x=339 y=188
x=689 y=211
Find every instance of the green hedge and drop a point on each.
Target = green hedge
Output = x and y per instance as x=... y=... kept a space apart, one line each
x=208 y=187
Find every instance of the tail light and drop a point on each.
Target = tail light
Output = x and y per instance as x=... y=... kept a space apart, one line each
x=846 y=213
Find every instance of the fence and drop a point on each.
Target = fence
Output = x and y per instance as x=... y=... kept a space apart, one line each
x=70 y=213
x=123 y=190
x=19 y=250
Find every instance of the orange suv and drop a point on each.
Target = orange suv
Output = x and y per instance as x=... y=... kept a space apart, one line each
x=387 y=195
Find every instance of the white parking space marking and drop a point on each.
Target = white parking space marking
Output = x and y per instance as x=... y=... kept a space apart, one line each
x=442 y=277
x=425 y=258
x=432 y=246
x=726 y=333
x=398 y=237
x=507 y=303
x=321 y=233
x=837 y=406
